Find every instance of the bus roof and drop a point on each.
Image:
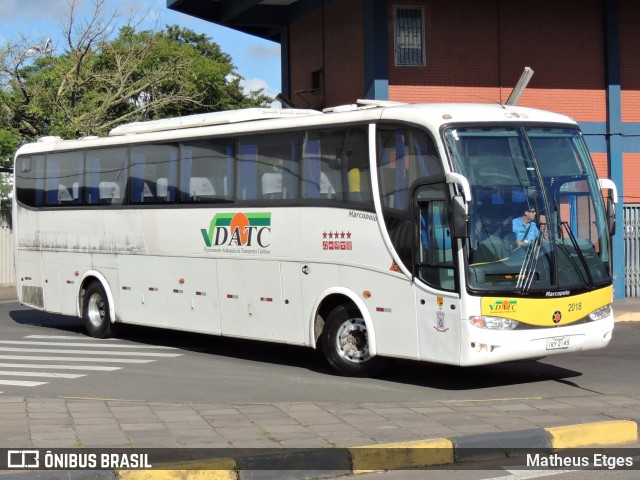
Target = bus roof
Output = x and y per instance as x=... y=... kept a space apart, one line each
x=254 y=120
x=207 y=119
x=438 y=114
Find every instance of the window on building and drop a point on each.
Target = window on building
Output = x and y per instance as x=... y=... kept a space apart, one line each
x=409 y=35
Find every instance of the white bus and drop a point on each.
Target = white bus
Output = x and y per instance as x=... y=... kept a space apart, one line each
x=369 y=232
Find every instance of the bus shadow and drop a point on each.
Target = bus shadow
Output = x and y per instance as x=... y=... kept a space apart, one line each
x=421 y=374
x=47 y=320
x=449 y=377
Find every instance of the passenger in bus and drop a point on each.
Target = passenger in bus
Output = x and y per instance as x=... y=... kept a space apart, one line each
x=525 y=230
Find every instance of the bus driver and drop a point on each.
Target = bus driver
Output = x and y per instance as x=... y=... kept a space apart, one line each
x=525 y=228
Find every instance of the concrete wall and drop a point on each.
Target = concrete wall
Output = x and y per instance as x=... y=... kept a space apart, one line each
x=7 y=274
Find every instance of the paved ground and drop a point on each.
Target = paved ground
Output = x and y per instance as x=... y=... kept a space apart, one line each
x=68 y=422
x=97 y=423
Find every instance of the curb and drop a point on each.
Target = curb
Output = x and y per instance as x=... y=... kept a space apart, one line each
x=628 y=317
x=391 y=456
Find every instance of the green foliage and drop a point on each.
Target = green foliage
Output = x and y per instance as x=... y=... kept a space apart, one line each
x=99 y=83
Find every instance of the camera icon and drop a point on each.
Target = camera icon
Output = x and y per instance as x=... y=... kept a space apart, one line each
x=23 y=459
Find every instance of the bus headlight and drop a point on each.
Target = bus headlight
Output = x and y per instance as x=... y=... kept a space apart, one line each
x=493 y=323
x=600 y=313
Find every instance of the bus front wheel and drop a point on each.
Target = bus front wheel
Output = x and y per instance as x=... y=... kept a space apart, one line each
x=345 y=344
x=96 y=314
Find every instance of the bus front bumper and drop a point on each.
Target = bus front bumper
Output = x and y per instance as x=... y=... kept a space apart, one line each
x=482 y=347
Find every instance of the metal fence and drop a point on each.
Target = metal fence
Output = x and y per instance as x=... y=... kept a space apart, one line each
x=7 y=274
x=632 y=249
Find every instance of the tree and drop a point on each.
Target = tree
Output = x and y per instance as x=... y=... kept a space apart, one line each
x=100 y=81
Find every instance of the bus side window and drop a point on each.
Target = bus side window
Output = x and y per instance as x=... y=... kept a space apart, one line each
x=150 y=164
x=404 y=155
x=106 y=176
x=29 y=174
x=63 y=178
x=435 y=254
x=206 y=171
x=277 y=165
x=324 y=164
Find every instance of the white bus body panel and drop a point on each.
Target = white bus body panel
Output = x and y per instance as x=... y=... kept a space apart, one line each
x=251 y=299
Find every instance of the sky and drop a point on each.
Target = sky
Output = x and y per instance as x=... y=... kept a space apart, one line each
x=256 y=60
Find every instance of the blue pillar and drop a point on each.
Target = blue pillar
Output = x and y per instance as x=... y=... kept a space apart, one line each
x=615 y=140
x=376 y=71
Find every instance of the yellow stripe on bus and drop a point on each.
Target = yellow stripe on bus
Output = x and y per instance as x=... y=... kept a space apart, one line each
x=547 y=312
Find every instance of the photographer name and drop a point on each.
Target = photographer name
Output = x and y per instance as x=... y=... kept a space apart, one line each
x=598 y=460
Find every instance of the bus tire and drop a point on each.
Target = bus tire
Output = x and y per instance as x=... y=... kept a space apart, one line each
x=96 y=313
x=345 y=344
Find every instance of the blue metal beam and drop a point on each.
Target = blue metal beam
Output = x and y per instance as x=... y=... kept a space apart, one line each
x=614 y=134
x=376 y=70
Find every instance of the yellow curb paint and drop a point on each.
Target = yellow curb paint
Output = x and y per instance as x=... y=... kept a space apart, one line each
x=628 y=317
x=389 y=456
x=218 y=469
x=616 y=432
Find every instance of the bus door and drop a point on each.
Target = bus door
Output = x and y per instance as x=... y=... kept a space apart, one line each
x=434 y=271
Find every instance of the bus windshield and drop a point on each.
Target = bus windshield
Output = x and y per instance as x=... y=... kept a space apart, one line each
x=537 y=216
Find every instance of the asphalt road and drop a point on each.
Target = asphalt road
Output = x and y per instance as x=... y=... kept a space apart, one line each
x=179 y=367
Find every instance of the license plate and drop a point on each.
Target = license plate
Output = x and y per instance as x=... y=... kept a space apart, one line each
x=557 y=343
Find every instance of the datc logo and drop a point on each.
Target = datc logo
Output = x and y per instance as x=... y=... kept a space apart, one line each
x=504 y=306
x=239 y=229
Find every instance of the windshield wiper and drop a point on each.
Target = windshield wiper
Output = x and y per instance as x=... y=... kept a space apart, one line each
x=583 y=260
x=528 y=269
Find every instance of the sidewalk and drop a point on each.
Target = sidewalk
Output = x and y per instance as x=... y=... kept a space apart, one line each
x=395 y=435
x=627 y=309
x=7 y=294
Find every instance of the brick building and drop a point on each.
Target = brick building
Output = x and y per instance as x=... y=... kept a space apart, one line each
x=585 y=54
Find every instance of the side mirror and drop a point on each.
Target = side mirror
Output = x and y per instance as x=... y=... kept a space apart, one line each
x=459 y=211
x=459 y=218
x=611 y=216
x=612 y=200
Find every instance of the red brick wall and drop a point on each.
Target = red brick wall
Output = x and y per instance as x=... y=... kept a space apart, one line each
x=601 y=163
x=476 y=51
x=630 y=60
x=339 y=52
x=305 y=57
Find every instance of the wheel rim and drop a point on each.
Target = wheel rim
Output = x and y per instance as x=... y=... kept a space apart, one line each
x=352 y=341
x=96 y=310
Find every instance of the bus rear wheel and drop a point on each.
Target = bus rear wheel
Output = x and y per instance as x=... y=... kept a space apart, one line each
x=96 y=313
x=345 y=344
